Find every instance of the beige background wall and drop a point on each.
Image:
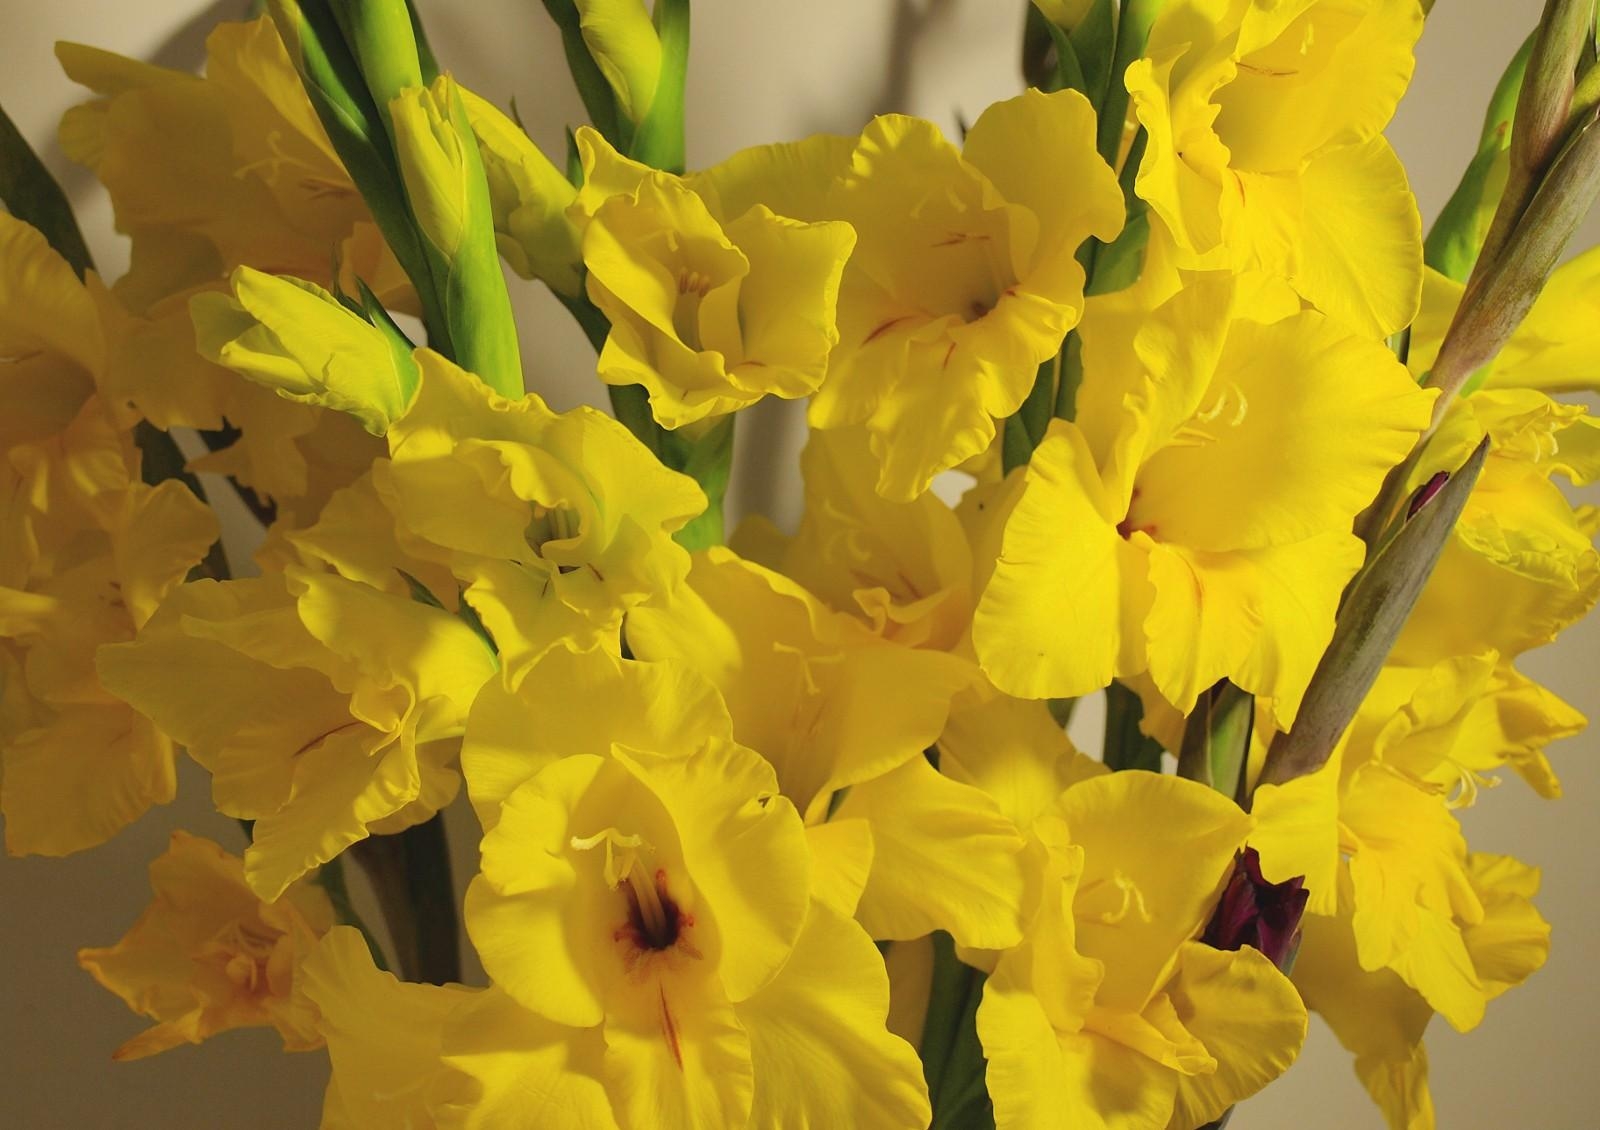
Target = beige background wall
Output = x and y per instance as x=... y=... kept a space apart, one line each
x=762 y=70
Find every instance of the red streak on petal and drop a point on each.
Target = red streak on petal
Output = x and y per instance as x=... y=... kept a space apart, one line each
x=669 y=1029
x=882 y=329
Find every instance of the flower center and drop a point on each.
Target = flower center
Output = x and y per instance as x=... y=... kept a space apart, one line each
x=655 y=921
x=1112 y=900
x=552 y=523
x=242 y=951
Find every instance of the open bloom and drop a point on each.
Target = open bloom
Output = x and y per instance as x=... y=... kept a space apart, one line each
x=1266 y=148
x=325 y=710
x=558 y=523
x=844 y=717
x=710 y=309
x=1174 y=528
x=1110 y=1013
x=87 y=551
x=205 y=175
x=903 y=568
x=643 y=881
x=963 y=278
x=209 y=955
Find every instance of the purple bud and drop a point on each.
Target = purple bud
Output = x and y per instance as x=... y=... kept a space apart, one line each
x=1253 y=912
x=1426 y=492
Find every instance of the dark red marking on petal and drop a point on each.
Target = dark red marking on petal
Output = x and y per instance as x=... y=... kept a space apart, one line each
x=670 y=1029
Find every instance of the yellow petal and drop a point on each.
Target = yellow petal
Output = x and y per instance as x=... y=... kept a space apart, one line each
x=1227 y=481
x=1375 y=1015
x=509 y=1065
x=383 y=1034
x=1360 y=238
x=582 y=702
x=1140 y=897
x=45 y=308
x=1064 y=611
x=1015 y=751
x=679 y=1060
x=78 y=780
x=1250 y=1020
x=818 y=1041
x=1026 y=144
x=815 y=693
x=944 y=858
x=841 y=860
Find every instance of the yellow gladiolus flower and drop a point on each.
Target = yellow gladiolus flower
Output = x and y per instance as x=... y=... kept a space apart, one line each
x=963 y=278
x=1404 y=921
x=208 y=955
x=903 y=568
x=1380 y=1018
x=87 y=551
x=1517 y=537
x=1265 y=147
x=844 y=717
x=326 y=711
x=663 y=895
x=1175 y=528
x=710 y=310
x=558 y=523
x=205 y=175
x=208 y=173
x=1110 y=1014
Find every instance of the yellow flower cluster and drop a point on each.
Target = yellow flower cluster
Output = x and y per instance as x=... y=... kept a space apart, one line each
x=784 y=829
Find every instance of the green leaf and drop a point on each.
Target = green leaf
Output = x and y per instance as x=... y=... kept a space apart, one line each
x=1375 y=609
x=32 y=195
x=1026 y=427
x=952 y=1056
x=1094 y=46
x=1133 y=29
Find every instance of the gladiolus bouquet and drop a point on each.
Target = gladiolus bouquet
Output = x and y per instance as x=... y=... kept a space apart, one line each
x=1148 y=386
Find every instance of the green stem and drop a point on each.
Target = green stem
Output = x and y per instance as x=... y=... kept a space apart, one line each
x=947 y=1001
x=1126 y=746
x=410 y=873
x=432 y=894
x=1133 y=28
x=330 y=877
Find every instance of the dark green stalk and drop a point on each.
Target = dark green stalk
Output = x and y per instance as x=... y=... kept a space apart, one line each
x=1126 y=746
x=410 y=873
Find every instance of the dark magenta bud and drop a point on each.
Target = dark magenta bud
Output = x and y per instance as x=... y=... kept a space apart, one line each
x=1253 y=912
x=1426 y=492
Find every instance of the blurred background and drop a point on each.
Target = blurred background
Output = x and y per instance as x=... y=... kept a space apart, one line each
x=761 y=70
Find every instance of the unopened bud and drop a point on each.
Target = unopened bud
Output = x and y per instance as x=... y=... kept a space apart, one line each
x=1253 y=912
